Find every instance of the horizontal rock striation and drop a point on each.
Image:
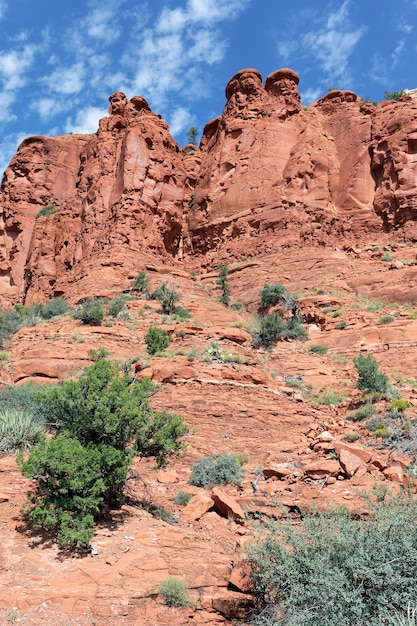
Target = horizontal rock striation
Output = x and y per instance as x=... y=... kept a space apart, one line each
x=80 y=215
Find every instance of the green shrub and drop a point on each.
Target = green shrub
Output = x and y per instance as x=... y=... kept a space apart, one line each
x=175 y=592
x=364 y=412
x=69 y=488
x=271 y=295
x=222 y=282
x=387 y=256
x=117 y=305
x=341 y=326
x=272 y=328
x=386 y=319
x=53 y=308
x=217 y=469
x=23 y=398
x=46 y=211
x=330 y=398
x=157 y=339
x=19 y=430
x=167 y=297
x=399 y=405
x=318 y=349
x=351 y=437
x=181 y=314
x=382 y=433
x=141 y=283
x=103 y=420
x=338 y=569
x=13 y=319
x=369 y=377
x=393 y=95
x=101 y=353
x=90 y=313
x=182 y=498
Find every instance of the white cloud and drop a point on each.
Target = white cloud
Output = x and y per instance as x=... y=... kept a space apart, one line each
x=14 y=64
x=8 y=147
x=333 y=43
x=7 y=98
x=396 y=55
x=47 y=108
x=180 y=120
x=311 y=95
x=86 y=120
x=172 y=55
x=3 y=7
x=66 y=80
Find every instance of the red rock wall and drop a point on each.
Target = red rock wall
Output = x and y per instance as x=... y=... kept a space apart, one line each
x=269 y=173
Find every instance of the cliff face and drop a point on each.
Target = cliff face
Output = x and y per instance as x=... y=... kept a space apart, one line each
x=268 y=173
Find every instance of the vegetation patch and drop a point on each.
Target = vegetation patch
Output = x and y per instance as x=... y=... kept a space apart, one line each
x=175 y=592
x=217 y=469
x=338 y=569
x=102 y=421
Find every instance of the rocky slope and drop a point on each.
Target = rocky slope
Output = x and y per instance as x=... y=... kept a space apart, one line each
x=320 y=199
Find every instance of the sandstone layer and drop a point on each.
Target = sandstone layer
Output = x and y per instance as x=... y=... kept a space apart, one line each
x=268 y=173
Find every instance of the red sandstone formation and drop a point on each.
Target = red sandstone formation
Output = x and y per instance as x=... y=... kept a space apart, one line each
x=269 y=173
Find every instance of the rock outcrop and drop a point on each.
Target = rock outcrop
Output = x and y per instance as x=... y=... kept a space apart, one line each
x=83 y=214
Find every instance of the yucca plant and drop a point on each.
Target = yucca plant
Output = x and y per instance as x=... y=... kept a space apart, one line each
x=19 y=430
x=405 y=619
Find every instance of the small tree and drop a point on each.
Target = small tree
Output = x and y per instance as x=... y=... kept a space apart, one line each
x=141 y=283
x=167 y=296
x=90 y=313
x=369 y=377
x=103 y=420
x=223 y=284
x=394 y=95
x=192 y=135
x=157 y=339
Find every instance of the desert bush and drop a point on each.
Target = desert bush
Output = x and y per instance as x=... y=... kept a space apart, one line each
x=11 y=320
x=318 y=349
x=103 y=420
x=386 y=319
x=101 y=353
x=338 y=569
x=404 y=618
x=117 y=305
x=157 y=339
x=330 y=398
x=181 y=314
x=22 y=398
x=399 y=405
x=19 y=430
x=53 y=308
x=167 y=297
x=141 y=283
x=175 y=592
x=393 y=95
x=217 y=469
x=90 y=313
x=271 y=295
x=46 y=211
x=70 y=488
x=182 y=498
x=365 y=411
x=369 y=377
x=222 y=282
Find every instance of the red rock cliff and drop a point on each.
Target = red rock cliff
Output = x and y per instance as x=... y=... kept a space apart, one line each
x=269 y=173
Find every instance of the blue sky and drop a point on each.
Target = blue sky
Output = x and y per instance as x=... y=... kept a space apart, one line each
x=60 y=61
